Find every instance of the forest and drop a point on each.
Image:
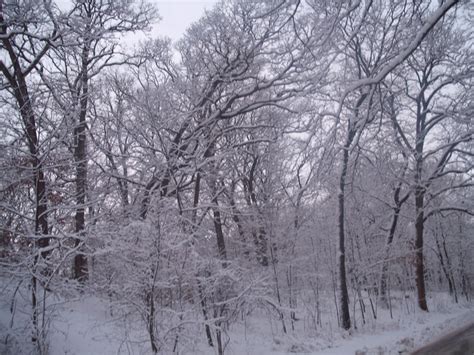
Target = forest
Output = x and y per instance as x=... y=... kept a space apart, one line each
x=305 y=166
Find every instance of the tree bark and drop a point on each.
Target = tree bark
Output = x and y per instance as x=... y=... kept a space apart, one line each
x=17 y=80
x=344 y=295
x=444 y=267
x=258 y=229
x=420 y=191
x=419 y=265
x=80 y=157
x=194 y=226
x=20 y=90
x=219 y=232
x=391 y=234
x=396 y=209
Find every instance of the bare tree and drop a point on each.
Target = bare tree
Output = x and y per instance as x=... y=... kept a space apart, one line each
x=441 y=93
x=374 y=57
x=27 y=33
x=90 y=44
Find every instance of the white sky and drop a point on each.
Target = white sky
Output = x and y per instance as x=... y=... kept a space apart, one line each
x=177 y=15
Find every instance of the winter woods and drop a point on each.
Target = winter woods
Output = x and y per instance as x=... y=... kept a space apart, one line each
x=306 y=160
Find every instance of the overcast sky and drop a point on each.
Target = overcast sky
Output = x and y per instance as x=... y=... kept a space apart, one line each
x=177 y=15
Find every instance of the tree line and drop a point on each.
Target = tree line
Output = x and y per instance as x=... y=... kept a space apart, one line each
x=281 y=153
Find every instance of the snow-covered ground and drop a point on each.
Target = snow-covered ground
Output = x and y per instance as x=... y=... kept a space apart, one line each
x=89 y=325
x=415 y=332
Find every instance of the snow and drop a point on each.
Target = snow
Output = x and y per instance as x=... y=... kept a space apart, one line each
x=83 y=324
x=83 y=327
x=420 y=331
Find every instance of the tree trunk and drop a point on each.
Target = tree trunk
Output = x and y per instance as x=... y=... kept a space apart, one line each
x=419 y=231
x=258 y=229
x=391 y=234
x=344 y=295
x=197 y=192
x=219 y=233
x=236 y=217
x=445 y=263
x=151 y=320
x=443 y=266
x=17 y=81
x=26 y=111
x=396 y=210
x=80 y=157
x=420 y=204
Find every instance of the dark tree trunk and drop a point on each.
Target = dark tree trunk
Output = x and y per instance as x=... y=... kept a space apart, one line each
x=385 y=263
x=344 y=295
x=151 y=320
x=420 y=190
x=258 y=229
x=449 y=275
x=197 y=192
x=121 y=182
x=236 y=217
x=204 y=312
x=219 y=232
x=80 y=156
x=217 y=220
x=443 y=265
x=391 y=234
x=17 y=81
x=262 y=246
x=154 y=184
x=396 y=210
x=161 y=183
x=419 y=231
